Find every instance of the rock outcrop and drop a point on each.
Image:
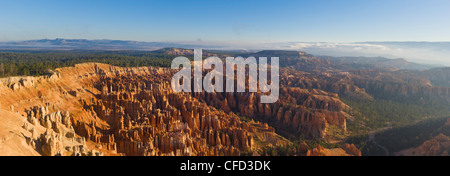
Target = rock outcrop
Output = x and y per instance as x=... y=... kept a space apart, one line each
x=59 y=137
x=438 y=146
x=346 y=150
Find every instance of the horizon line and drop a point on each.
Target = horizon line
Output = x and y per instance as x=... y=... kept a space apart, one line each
x=225 y=41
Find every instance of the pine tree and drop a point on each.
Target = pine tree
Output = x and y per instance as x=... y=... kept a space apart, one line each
x=2 y=70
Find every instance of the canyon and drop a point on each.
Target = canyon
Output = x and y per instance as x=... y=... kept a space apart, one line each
x=96 y=109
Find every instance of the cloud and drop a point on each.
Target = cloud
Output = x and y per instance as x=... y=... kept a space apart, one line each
x=420 y=52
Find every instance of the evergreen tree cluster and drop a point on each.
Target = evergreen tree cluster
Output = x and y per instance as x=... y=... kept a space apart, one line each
x=41 y=63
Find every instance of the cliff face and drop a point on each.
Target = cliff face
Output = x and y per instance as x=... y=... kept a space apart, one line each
x=41 y=133
x=310 y=116
x=302 y=108
x=12 y=142
x=346 y=150
x=400 y=86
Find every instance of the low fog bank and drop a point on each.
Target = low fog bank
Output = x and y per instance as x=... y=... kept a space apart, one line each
x=432 y=53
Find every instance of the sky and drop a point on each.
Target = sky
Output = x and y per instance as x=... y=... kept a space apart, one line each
x=243 y=21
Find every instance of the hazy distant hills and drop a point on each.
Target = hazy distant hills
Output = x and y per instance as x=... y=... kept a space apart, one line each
x=379 y=63
x=428 y=54
x=437 y=46
x=83 y=44
x=435 y=53
x=288 y=56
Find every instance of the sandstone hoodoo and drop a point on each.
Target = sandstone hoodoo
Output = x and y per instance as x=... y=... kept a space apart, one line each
x=107 y=110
